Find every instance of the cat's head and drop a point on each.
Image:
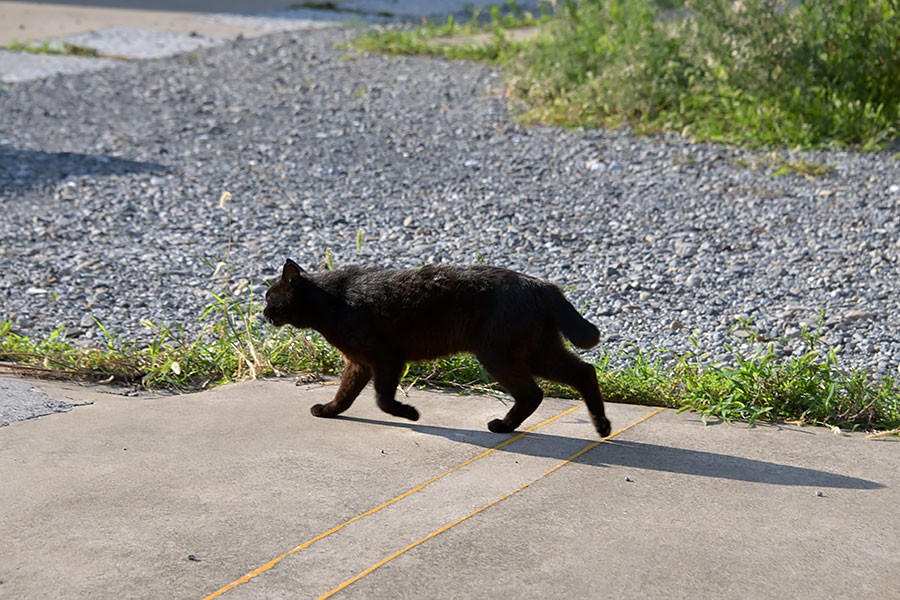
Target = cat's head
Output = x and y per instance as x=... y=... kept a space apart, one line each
x=282 y=306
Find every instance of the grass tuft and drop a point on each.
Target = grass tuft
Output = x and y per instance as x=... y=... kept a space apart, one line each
x=810 y=388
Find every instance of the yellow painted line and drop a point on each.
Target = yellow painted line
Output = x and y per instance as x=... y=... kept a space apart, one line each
x=308 y=543
x=436 y=532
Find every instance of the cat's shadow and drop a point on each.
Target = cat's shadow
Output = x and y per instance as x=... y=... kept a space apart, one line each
x=640 y=455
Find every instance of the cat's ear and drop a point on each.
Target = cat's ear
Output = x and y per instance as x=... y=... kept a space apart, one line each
x=292 y=271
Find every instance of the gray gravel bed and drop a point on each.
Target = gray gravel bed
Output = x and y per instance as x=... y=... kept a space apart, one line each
x=110 y=184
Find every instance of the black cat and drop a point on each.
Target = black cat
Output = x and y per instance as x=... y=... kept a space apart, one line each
x=382 y=319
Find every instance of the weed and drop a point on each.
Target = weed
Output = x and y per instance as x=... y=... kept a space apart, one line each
x=781 y=165
x=808 y=169
x=811 y=387
x=232 y=345
x=53 y=47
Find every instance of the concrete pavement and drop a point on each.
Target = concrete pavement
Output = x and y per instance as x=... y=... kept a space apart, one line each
x=238 y=492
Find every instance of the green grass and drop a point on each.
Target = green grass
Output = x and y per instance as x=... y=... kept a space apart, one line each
x=235 y=345
x=52 y=47
x=806 y=168
x=757 y=73
x=811 y=387
x=781 y=165
x=449 y=38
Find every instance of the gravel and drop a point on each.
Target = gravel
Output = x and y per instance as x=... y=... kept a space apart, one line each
x=110 y=184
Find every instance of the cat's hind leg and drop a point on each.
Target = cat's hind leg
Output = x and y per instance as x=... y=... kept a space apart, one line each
x=527 y=395
x=354 y=379
x=387 y=378
x=552 y=361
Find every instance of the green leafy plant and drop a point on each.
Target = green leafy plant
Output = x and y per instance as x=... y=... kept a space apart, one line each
x=810 y=388
x=809 y=169
x=760 y=73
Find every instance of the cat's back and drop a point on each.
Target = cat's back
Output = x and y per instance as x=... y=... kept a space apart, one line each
x=460 y=283
x=412 y=289
x=434 y=310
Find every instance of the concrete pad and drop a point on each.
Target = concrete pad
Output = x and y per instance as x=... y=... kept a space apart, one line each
x=110 y=500
x=132 y=42
x=28 y=21
x=673 y=509
x=24 y=66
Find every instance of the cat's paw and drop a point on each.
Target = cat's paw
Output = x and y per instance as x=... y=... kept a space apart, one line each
x=498 y=426
x=398 y=409
x=604 y=427
x=409 y=412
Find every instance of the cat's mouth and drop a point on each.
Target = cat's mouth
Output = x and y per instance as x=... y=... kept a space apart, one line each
x=271 y=320
x=275 y=322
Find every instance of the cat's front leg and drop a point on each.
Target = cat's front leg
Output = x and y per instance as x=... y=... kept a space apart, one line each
x=387 y=378
x=354 y=379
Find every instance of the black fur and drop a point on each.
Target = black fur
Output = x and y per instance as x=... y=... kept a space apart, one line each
x=382 y=319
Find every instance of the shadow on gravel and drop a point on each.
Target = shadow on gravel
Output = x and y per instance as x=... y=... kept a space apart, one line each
x=24 y=169
x=639 y=455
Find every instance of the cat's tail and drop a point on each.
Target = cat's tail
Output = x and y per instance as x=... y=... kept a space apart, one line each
x=580 y=332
